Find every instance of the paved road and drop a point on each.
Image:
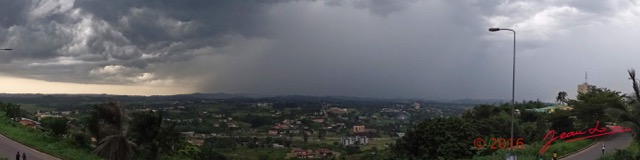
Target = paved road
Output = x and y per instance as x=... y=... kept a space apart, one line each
x=616 y=141
x=8 y=149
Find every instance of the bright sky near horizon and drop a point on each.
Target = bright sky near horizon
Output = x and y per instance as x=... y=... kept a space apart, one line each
x=21 y=85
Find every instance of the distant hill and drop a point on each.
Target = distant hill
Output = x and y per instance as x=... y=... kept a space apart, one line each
x=479 y=101
x=98 y=98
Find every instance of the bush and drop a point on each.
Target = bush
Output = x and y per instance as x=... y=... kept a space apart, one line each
x=631 y=153
x=57 y=125
x=81 y=140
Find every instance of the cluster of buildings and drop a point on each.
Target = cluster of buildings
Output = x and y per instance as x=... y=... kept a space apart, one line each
x=41 y=115
x=313 y=154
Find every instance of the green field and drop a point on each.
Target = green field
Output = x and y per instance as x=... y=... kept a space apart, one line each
x=33 y=108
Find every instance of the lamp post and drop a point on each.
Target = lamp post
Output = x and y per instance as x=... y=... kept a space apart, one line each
x=513 y=79
x=6 y=49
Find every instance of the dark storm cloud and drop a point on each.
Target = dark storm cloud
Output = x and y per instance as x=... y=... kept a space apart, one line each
x=14 y=12
x=411 y=56
x=382 y=7
x=379 y=48
x=212 y=18
x=131 y=34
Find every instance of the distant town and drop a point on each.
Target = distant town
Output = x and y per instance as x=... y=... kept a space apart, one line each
x=297 y=126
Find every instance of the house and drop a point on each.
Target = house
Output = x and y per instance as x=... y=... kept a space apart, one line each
x=356 y=140
x=278 y=146
x=323 y=152
x=197 y=142
x=188 y=134
x=551 y=109
x=29 y=123
x=300 y=153
x=318 y=120
x=336 y=110
x=358 y=129
x=273 y=132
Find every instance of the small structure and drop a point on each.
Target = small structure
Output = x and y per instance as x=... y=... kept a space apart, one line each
x=273 y=132
x=318 y=120
x=188 y=134
x=551 y=109
x=358 y=129
x=300 y=153
x=323 y=153
x=278 y=146
x=337 y=110
x=584 y=87
x=357 y=140
x=29 y=123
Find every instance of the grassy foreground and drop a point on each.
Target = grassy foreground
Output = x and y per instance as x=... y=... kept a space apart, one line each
x=530 y=152
x=632 y=150
x=40 y=141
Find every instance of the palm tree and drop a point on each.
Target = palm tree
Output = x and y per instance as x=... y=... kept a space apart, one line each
x=562 y=97
x=152 y=135
x=106 y=125
x=116 y=147
x=629 y=115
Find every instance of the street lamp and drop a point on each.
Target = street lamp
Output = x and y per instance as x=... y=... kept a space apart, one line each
x=6 y=49
x=513 y=79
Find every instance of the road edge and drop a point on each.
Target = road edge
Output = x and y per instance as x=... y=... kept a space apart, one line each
x=31 y=147
x=578 y=151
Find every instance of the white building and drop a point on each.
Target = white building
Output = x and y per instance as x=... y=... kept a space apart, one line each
x=583 y=88
x=357 y=140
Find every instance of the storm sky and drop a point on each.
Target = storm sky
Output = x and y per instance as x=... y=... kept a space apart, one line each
x=430 y=49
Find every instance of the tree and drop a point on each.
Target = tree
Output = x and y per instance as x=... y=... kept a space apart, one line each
x=589 y=107
x=153 y=136
x=80 y=139
x=562 y=97
x=561 y=122
x=116 y=147
x=480 y=112
x=12 y=111
x=258 y=121
x=321 y=133
x=105 y=119
x=486 y=118
x=57 y=125
x=629 y=114
x=268 y=140
x=305 y=136
x=188 y=150
x=208 y=152
x=105 y=123
x=427 y=140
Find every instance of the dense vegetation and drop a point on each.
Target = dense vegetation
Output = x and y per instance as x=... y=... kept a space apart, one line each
x=599 y=104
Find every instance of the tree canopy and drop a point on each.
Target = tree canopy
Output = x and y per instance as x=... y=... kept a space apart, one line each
x=439 y=138
x=589 y=107
x=57 y=125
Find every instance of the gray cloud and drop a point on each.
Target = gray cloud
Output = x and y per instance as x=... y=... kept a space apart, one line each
x=16 y=9
x=377 y=48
